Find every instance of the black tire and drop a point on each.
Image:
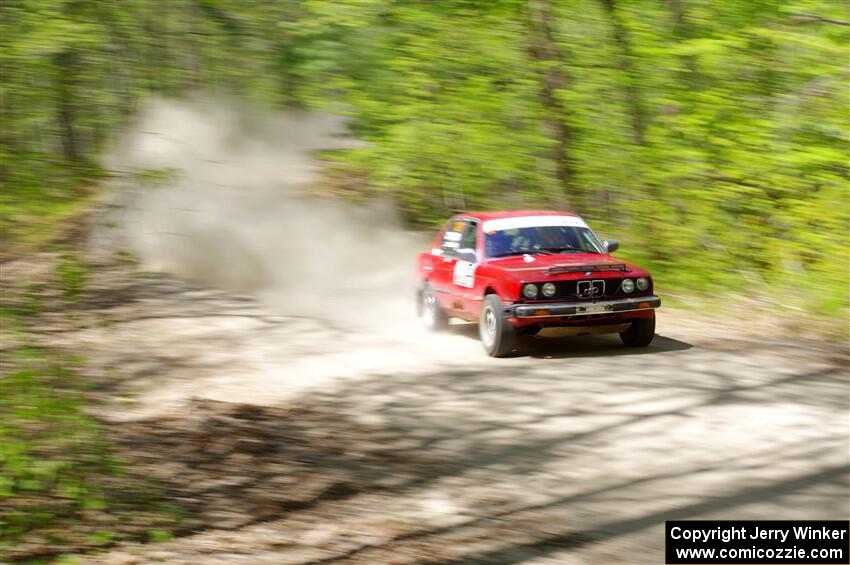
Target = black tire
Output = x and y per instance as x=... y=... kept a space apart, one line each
x=640 y=333
x=498 y=336
x=433 y=316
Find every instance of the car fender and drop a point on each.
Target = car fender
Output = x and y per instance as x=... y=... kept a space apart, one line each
x=504 y=284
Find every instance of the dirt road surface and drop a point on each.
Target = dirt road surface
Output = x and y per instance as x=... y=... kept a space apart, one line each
x=294 y=440
x=319 y=438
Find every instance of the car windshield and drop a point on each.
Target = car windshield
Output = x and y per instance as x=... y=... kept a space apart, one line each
x=545 y=239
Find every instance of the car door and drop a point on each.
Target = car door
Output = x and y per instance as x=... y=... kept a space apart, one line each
x=463 y=272
x=442 y=276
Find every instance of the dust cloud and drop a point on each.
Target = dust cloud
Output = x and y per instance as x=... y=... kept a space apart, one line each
x=217 y=194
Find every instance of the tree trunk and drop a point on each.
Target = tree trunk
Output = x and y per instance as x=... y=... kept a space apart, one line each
x=66 y=70
x=549 y=59
x=634 y=97
x=682 y=31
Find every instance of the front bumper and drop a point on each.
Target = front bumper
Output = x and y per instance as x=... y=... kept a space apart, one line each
x=548 y=310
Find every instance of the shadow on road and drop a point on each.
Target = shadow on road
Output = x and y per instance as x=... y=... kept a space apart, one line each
x=578 y=346
x=509 y=462
x=447 y=456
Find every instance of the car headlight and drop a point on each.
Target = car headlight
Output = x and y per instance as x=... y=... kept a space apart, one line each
x=549 y=290
x=530 y=291
x=642 y=283
x=628 y=285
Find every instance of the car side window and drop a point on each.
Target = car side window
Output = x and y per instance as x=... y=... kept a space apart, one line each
x=459 y=240
x=452 y=237
x=468 y=242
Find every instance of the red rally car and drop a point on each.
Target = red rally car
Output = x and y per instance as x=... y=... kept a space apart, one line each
x=532 y=272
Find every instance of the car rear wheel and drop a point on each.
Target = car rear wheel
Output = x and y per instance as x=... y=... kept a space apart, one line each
x=640 y=333
x=497 y=334
x=431 y=313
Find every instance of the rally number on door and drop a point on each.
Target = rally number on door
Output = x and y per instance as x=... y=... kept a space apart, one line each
x=464 y=274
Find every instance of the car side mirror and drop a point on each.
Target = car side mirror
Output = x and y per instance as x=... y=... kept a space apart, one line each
x=611 y=245
x=467 y=255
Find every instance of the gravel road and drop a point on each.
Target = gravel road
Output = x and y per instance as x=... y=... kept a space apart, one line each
x=295 y=440
x=299 y=441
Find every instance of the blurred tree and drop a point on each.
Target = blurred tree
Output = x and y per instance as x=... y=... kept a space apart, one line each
x=548 y=60
x=714 y=134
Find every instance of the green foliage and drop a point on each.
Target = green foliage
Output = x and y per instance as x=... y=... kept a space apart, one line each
x=711 y=137
x=72 y=273
x=159 y=535
x=61 y=483
x=50 y=447
x=40 y=194
x=156 y=177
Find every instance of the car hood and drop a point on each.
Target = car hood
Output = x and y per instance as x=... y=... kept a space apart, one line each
x=564 y=264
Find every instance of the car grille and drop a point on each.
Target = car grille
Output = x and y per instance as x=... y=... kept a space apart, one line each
x=568 y=290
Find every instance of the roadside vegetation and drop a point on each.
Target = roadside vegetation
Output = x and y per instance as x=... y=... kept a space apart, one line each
x=41 y=201
x=64 y=488
x=711 y=138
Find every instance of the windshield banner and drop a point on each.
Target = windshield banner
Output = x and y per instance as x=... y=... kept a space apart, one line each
x=491 y=226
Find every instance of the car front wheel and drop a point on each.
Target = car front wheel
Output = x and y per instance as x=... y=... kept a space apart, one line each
x=640 y=333
x=497 y=334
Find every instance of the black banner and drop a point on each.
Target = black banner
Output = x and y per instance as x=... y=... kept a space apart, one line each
x=757 y=542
